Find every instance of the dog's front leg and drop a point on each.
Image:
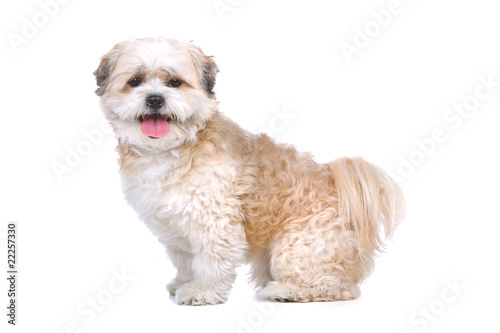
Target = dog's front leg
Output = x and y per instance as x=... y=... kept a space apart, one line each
x=183 y=262
x=218 y=247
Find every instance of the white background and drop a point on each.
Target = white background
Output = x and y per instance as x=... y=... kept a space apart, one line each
x=76 y=233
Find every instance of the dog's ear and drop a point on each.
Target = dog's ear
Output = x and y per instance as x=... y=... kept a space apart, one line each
x=106 y=66
x=102 y=75
x=207 y=68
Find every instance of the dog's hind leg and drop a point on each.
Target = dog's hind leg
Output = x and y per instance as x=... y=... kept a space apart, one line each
x=314 y=261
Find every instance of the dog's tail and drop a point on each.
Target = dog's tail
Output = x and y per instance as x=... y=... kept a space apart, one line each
x=369 y=199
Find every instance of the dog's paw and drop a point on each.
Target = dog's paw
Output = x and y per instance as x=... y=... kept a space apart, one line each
x=290 y=292
x=278 y=292
x=174 y=285
x=190 y=294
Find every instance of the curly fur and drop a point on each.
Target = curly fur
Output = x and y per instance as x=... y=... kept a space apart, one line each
x=218 y=196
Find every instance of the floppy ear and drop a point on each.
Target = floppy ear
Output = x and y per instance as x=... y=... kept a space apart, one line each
x=206 y=66
x=106 y=66
x=102 y=75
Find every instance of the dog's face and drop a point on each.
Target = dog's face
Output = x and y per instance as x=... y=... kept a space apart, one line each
x=156 y=93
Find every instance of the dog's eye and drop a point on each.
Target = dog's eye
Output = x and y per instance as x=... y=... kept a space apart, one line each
x=174 y=83
x=135 y=82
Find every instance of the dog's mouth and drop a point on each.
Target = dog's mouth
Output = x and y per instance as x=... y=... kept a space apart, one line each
x=155 y=125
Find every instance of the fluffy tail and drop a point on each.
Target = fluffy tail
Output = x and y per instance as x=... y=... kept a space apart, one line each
x=368 y=199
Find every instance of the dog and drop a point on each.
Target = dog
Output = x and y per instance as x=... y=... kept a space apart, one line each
x=218 y=196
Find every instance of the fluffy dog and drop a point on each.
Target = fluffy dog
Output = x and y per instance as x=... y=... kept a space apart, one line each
x=218 y=196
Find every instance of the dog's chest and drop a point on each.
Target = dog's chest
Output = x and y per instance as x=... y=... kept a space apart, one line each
x=170 y=194
x=155 y=188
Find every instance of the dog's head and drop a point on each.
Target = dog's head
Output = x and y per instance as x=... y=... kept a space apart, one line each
x=156 y=92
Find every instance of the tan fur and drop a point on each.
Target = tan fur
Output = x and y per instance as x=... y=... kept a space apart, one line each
x=217 y=195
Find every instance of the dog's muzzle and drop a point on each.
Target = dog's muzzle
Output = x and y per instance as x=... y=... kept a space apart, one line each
x=154 y=123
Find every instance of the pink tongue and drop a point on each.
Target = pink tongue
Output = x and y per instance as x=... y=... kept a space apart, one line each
x=155 y=127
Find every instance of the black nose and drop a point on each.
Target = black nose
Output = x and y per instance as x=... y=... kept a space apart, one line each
x=155 y=101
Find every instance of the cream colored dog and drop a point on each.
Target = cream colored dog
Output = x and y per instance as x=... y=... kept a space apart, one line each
x=218 y=196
